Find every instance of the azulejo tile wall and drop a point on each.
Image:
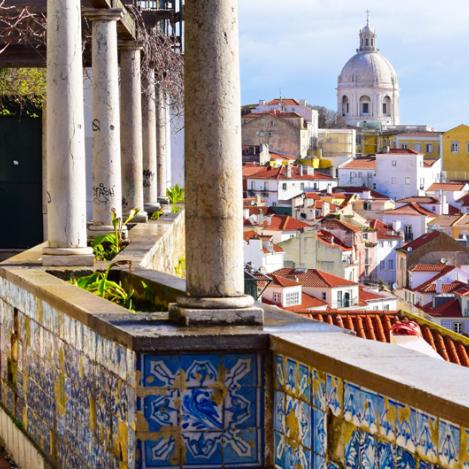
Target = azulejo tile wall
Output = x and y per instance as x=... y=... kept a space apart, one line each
x=324 y=422
x=71 y=390
x=200 y=411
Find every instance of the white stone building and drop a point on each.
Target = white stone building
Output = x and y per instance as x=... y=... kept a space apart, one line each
x=262 y=253
x=368 y=86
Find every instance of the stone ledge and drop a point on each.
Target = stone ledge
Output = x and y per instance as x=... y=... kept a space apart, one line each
x=435 y=386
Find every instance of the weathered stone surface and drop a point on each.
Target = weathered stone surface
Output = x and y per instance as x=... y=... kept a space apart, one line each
x=66 y=198
x=107 y=188
x=212 y=159
x=131 y=130
x=149 y=141
x=162 y=144
x=210 y=317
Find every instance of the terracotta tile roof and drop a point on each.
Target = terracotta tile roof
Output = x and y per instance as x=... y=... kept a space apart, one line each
x=284 y=101
x=464 y=201
x=419 y=200
x=280 y=281
x=376 y=325
x=254 y=210
x=429 y=163
x=430 y=286
x=384 y=231
x=412 y=209
x=361 y=163
x=249 y=170
x=273 y=113
x=314 y=278
x=250 y=234
x=449 y=309
x=444 y=220
x=427 y=267
x=359 y=190
x=421 y=240
x=307 y=302
x=446 y=186
x=327 y=222
x=282 y=223
x=331 y=240
x=280 y=173
x=275 y=248
x=453 y=210
x=366 y=295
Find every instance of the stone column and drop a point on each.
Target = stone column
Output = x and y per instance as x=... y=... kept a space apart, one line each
x=131 y=130
x=213 y=172
x=161 y=143
x=65 y=139
x=107 y=189
x=150 y=194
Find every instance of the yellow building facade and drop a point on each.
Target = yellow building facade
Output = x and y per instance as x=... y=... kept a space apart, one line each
x=455 y=150
x=426 y=143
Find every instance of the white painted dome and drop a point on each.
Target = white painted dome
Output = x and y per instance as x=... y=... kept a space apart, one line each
x=368 y=68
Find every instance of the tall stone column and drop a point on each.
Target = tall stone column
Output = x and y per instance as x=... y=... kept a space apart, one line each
x=65 y=139
x=131 y=130
x=213 y=171
x=106 y=148
x=161 y=146
x=150 y=194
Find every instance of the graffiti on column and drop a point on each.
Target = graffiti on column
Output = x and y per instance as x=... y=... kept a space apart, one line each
x=103 y=194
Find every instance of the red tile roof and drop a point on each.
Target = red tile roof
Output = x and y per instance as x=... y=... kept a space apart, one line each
x=331 y=240
x=427 y=267
x=282 y=223
x=280 y=281
x=419 y=200
x=429 y=163
x=273 y=113
x=366 y=295
x=268 y=172
x=327 y=222
x=282 y=156
x=249 y=170
x=421 y=240
x=361 y=163
x=445 y=288
x=446 y=186
x=284 y=101
x=384 y=231
x=307 y=302
x=449 y=309
x=412 y=209
x=376 y=325
x=464 y=200
x=359 y=190
x=275 y=248
x=315 y=278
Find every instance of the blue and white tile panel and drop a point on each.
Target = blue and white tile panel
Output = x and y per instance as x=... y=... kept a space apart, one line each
x=380 y=432
x=200 y=411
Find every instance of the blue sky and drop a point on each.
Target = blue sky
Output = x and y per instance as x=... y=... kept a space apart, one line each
x=300 y=46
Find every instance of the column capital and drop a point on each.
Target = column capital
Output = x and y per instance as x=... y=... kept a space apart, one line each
x=103 y=14
x=130 y=45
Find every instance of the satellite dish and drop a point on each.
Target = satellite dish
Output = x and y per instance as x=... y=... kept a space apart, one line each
x=395 y=286
x=409 y=249
x=443 y=260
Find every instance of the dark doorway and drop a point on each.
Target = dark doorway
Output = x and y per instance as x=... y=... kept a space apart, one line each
x=21 y=181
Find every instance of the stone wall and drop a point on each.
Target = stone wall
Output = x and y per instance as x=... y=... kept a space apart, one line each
x=71 y=390
x=323 y=420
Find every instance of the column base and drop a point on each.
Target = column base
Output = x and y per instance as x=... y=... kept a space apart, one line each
x=141 y=217
x=152 y=207
x=67 y=256
x=163 y=200
x=235 y=311
x=98 y=230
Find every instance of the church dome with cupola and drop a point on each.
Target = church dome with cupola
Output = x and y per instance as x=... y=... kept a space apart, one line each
x=368 y=86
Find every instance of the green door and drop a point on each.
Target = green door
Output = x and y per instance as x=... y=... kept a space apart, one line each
x=20 y=182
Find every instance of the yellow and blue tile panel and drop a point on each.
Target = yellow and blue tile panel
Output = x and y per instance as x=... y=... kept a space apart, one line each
x=324 y=422
x=200 y=411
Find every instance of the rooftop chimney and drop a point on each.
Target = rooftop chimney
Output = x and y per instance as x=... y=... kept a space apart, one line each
x=289 y=171
x=301 y=170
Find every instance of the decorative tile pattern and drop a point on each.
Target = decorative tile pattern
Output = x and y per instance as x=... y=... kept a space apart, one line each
x=206 y=410
x=379 y=432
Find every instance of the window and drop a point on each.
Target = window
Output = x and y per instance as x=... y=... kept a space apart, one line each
x=339 y=297
x=323 y=295
x=390 y=264
x=365 y=108
x=407 y=180
x=284 y=186
x=457 y=327
x=404 y=146
x=394 y=162
x=385 y=108
x=429 y=148
x=302 y=185
x=417 y=147
x=277 y=297
x=454 y=147
x=381 y=265
x=292 y=298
